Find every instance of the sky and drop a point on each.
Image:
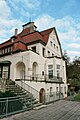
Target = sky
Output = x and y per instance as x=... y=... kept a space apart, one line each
x=64 y=15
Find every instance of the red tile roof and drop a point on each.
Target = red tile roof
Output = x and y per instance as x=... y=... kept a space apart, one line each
x=26 y=37
x=46 y=32
x=35 y=36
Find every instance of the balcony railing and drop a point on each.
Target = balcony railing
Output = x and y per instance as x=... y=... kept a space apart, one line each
x=43 y=78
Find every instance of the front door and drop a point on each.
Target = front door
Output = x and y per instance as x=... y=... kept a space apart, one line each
x=42 y=95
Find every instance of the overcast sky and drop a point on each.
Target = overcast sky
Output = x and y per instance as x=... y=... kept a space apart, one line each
x=62 y=14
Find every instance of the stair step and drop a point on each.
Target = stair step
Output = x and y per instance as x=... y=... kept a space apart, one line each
x=38 y=104
x=39 y=107
x=26 y=98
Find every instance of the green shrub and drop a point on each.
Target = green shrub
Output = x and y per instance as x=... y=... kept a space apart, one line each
x=6 y=94
x=77 y=97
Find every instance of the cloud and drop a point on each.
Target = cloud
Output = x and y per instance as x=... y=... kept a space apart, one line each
x=44 y=21
x=67 y=27
x=8 y=27
x=31 y=4
x=74 y=45
x=74 y=53
x=4 y=9
x=7 y=23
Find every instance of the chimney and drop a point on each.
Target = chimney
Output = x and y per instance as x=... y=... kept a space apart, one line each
x=30 y=26
x=16 y=32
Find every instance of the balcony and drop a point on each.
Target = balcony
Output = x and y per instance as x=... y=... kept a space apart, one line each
x=43 y=78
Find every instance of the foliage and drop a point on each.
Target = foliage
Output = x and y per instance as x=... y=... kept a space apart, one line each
x=6 y=94
x=77 y=97
x=73 y=71
x=66 y=57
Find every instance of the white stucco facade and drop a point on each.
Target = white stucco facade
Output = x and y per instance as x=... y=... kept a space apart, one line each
x=44 y=68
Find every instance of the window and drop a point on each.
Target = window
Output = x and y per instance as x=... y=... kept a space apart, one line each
x=5 y=72
x=61 y=89
x=65 y=90
x=5 y=50
x=52 y=54
x=48 y=53
x=43 y=52
x=58 y=66
x=54 y=45
x=57 y=89
x=50 y=66
x=34 y=48
x=57 y=48
x=12 y=39
x=0 y=71
x=50 y=71
x=58 y=74
x=42 y=72
x=51 y=43
x=58 y=71
x=50 y=90
x=0 y=52
x=9 y=49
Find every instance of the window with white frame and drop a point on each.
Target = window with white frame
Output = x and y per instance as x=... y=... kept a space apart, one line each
x=58 y=71
x=50 y=71
x=58 y=74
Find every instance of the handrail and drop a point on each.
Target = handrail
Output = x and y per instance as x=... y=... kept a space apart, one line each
x=43 y=78
x=12 y=105
x=31 y=87
x=15 y=97
x=28 y=88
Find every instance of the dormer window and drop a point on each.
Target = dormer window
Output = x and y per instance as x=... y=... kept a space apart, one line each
x=12 y=39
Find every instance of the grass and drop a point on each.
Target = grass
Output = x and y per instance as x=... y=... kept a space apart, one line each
x=77 y=97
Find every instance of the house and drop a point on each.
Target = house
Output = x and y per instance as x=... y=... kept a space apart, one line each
x=35 y=59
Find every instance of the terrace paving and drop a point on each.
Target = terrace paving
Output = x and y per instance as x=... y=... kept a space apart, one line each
x=60 y=110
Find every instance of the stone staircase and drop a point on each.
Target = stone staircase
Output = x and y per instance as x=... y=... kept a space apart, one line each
x=25 y=97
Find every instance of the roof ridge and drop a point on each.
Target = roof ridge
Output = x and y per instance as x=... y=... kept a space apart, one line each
x=47 y=29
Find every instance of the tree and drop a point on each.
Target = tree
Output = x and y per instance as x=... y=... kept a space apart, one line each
x=73 y=72
x=66 y=57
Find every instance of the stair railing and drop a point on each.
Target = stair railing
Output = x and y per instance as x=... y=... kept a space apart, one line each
x=28 y=88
